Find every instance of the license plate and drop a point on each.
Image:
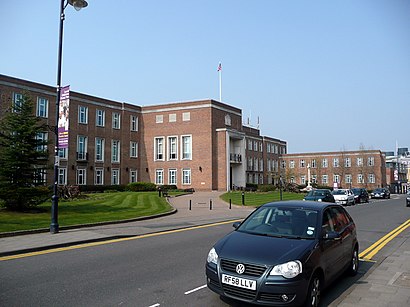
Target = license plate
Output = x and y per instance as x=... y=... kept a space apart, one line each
x=239 y=282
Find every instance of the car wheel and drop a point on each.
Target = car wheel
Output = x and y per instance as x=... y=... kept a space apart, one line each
x=354 y=263
x=313 y=295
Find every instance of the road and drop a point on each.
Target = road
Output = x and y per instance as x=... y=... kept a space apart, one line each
x=162 y=270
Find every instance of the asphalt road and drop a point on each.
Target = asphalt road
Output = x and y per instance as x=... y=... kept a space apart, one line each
x=161 y=270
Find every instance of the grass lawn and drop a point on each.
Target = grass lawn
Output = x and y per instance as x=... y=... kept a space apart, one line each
x=99 y=207
x=259 y=198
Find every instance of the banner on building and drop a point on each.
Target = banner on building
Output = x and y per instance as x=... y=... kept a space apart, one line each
x=63 y=112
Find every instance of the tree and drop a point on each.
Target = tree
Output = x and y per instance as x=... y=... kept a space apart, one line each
x=23 y=153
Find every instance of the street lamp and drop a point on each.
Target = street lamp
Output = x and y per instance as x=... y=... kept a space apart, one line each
x=78 y=5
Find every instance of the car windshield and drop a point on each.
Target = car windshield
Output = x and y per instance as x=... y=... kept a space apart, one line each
x=339 y=192
x=356 y=191
x=378 y=191
x=282 y=221
x=316 y=193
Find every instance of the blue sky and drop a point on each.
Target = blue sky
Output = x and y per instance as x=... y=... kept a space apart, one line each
x=321 y=75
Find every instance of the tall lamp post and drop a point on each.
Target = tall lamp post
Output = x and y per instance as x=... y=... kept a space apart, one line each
x=78 y=5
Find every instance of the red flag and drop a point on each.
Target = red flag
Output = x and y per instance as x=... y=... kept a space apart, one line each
x=219 y=67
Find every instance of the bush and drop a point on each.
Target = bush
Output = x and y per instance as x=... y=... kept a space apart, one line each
x=266 y=187
x=23 y=198
x=251 y=187
x=141 y=187
x=68 y=191
x=102 y=188
x=167 y=187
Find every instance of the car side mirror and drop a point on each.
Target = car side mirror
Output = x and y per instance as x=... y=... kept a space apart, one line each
x=236 y=225
x=331 y=235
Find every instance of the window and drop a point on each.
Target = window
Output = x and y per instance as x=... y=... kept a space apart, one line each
x=325 y=179
x=336 y=178
x=42 y=107
x=324 y=163
x=134 y=123
x=172 y=148
x=99 y=176
x=255 y=145
x=303 y=179
x=348 y=162
x=348 y=178
x=172 y=176
x=82 y=115
x=159 y=148
x=370 y=161
x=99 y=149
x=255 y=164
x=172 y=118
x=250 y=144
x=116 y=120
x=313 y=163
x=17 y=101
x=292 y=179
x=62 y=153
x=261 y=165
x=268 y=148
x=100 y=118
x=371 y=178
x=159 y=119
x=186 y=176
x=302 y=163
x=359 y=161
x=115 y=151
x=41 y=138
x=81 y=147
x=260 y=147
x=335 y=162
x=186 y=147
x=159 y=176
x=133 y=175
x=291 y=164
x=250 y=164
x=133 y=149
x=62 y=176
x=186 y=116
x=81 y=176
x=314 y=178
x=228 y=120
x=360 y=178
x=115 y=176
x=40 y=176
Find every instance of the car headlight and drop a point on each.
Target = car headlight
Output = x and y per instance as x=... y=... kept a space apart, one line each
x=212 y=256
x=288 y=270
x=319 y=199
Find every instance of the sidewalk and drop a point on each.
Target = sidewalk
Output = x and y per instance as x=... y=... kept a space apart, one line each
x=387 y=283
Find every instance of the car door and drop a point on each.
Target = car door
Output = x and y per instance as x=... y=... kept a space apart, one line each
x=331 y=249
x=342 y=226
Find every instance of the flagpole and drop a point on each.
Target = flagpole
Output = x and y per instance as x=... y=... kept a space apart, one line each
x=220 y=81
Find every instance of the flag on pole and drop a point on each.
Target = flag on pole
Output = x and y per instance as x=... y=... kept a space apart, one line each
x=219 y=66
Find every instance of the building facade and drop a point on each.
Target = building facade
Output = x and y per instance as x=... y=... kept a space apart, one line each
x=344 y=169
x=197 y=144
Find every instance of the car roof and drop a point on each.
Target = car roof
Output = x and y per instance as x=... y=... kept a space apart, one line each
x=306 y=204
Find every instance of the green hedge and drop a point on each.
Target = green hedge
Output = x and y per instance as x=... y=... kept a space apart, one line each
x=141 y=186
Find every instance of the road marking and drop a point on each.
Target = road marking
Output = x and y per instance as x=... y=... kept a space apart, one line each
x=368 y=253
x=78 y=246
x=155 y=305
x=194 y=290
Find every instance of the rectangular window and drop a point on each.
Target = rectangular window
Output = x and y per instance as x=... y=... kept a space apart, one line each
x=42 y=107
x=81 y=176
x=261 y=165
x=115 y=151
x=186 y=116
x=348 y=178
x=172 y=148
x=268 y=148
x=302 y=163
x=100 y=118
x=313 y=163
x=81 y=147
x=291 y=164
x=325 y=179
x=42 y=137
x=159 y=119
x=371 y=178
x=303 y=179
x=134 y=123
x=82 y=115
x=250 y=144
x=159 y=148
x=260 y=147
x=99 y=176
x=255 y=145
x=255 y=164
x=324 y=163
x=336 y=178
x=314 y=178
x=17 y=101
x=172 y=118
x=186 y=176
x=62 y=153
x=62 y=176
x=116 y=120
x=370 y=161
x=133 y=149
x=348 y=162
x=359 y=161
x=159 y=176
x=335 y=162
x=186 y=147
x=360 y=178
x=115 y=176
x=172 y=176
x=99 y=149
x=133 y=175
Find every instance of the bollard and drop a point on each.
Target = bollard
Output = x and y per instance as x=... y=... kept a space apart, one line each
x=243 y=198
x=210 y=204
x=190 y=204
x=230 y=203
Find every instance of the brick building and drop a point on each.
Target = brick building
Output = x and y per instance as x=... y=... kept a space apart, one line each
x=361 y=169
x=197 y=144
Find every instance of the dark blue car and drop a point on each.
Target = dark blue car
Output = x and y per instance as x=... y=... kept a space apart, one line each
x=284 y=254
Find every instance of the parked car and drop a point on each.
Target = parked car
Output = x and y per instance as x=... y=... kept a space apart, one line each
x=284 y=253
x=360 y=195
x=344 y=197
x=380 y=193
x=408 y=199
x=320 y=195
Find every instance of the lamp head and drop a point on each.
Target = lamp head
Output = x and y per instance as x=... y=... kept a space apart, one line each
x=78 y=4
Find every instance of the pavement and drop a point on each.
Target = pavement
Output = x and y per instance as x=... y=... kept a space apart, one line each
x=386 y=283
